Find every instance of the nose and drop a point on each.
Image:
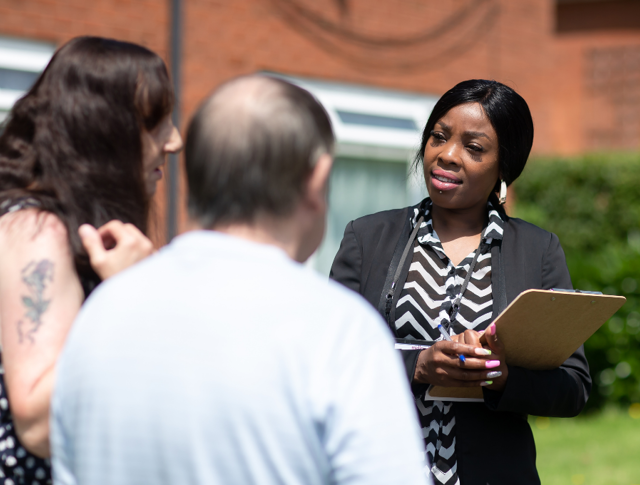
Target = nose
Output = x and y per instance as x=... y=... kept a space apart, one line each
x=174 y=143
x=450 y=153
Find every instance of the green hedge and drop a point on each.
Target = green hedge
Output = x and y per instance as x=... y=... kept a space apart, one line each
x=593 y=204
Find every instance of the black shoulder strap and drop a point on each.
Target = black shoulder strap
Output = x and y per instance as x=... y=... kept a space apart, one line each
x=395 y=260
x=20 y=203
x=386 y=304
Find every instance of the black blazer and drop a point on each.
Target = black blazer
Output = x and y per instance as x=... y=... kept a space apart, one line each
x=494 y=443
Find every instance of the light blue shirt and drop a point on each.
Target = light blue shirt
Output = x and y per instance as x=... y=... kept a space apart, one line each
x=221 y=361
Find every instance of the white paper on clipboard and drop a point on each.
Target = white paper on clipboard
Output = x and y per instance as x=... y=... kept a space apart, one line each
x=412 y=344
x=400 y=346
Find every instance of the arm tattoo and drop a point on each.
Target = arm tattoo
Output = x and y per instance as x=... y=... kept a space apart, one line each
x=35 y=276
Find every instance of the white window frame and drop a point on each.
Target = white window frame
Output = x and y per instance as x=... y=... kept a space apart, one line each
x=379 y=143
x=21 y=55
x=369 y=142
x=373 y=142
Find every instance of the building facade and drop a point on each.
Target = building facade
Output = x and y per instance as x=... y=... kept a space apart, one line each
x=378 y=66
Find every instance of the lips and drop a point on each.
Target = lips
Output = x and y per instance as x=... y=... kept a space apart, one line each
x=156 y=173
x=442 y=180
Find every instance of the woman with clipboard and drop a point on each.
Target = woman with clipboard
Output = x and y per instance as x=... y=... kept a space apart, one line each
x=456 y=260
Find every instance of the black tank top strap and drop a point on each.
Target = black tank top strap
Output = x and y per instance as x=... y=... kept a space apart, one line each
x=19 y=203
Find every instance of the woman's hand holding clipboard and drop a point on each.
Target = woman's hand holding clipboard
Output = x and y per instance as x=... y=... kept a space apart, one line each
x=539 y=330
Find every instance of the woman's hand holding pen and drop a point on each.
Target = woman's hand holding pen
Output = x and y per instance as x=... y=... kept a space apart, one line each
x=440 y=364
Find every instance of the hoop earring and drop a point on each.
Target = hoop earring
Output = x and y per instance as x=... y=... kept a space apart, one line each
x=503 y=192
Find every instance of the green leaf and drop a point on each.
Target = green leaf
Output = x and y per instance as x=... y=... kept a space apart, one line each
x=28 y=302
x=592 y=203
x=43 y=306
x=33 y=315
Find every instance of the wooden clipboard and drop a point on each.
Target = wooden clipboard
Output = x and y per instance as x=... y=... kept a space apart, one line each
x=540 y=329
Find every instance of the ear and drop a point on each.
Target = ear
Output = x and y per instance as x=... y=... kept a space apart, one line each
x=318 y=183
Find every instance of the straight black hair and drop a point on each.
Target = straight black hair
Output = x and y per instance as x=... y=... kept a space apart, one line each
x=508 y=113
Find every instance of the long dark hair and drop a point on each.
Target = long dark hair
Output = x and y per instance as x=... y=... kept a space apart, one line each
x=509 y=115
x=74 y=141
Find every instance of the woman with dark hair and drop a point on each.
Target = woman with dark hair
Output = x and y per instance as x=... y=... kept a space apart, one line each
x=81 y=150
x=450 y=265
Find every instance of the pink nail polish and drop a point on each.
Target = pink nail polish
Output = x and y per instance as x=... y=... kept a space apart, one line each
x=492 y=363
x=492 y=329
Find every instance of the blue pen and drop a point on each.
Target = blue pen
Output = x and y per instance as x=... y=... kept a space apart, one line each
x=445 y=334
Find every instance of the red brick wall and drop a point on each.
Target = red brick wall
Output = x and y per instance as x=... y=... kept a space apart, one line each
x=552 y=54
x=598 y=103
x=142 y=21
x=500 y=39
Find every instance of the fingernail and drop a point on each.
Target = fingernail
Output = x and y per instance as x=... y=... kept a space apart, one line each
x=492 y=329
x=486 y=383
x=481 y=332
x=492 y=363
x=483 y=352
x=494 y=374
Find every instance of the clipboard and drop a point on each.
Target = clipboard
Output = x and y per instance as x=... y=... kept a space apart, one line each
x=540 y=329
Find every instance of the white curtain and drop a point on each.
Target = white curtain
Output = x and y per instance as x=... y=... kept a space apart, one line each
x=361 y=187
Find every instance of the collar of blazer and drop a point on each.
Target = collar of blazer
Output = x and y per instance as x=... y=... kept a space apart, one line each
x=400 y=263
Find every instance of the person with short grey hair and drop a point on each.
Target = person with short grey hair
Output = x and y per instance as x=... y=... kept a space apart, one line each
x=265 y=140
x=222 y=360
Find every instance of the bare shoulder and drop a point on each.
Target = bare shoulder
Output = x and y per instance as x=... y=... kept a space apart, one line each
x=31 y=227
x=30 y=235
x=38 y=279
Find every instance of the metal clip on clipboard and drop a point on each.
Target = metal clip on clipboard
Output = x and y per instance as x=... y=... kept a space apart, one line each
x=562 y=290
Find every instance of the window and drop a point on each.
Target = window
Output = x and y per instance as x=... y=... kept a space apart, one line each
x=377 y=133
x=21 y=62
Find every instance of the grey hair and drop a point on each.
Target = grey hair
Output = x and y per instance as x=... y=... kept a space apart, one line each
x=250 y=148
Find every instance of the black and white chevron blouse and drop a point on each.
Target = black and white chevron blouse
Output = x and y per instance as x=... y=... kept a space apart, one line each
x=433 y=283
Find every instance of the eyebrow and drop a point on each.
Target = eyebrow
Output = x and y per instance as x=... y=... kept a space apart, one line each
x=476 y=134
